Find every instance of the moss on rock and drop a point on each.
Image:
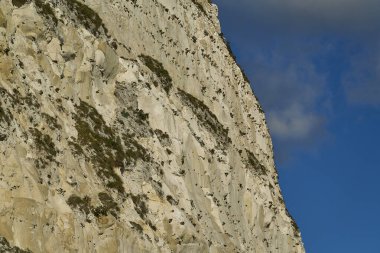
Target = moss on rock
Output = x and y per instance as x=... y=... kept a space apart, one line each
x=254 y=165
x=102 y=147
x=206 y=118
x=157 y=68
x=6 y=247
x=45 y=10
x=88 y=17
x=19 y=3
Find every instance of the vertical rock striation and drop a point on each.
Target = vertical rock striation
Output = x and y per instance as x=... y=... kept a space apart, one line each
x=126 y=126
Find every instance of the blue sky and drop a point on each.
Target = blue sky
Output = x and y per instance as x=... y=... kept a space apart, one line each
x=315 y=67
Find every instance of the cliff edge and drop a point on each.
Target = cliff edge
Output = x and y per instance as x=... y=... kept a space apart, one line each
x=127 y=126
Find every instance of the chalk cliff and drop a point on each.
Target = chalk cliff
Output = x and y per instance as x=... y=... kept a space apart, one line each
x=127 y=126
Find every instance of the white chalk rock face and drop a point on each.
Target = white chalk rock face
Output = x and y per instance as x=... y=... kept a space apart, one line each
x=126 y=126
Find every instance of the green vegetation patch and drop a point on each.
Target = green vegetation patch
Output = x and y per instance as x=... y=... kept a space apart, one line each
x=138 y=115
x=163 y=137
x=254 y=164
x=140 y=205
x=100 y=144
x=157 y=68
x=171 y=200
x=6 y=247
x=5 y=115
x=19 y=3
x=46 y=11
x=84 y=205
x=44 y=143
x=103 y=148
x=52 y=122
x=137 y=227
x=81 y=204
x=28 y=102
x=134 y=150
x=87 y=16
x=199 y=6
x=108 y=206
x=206 y=118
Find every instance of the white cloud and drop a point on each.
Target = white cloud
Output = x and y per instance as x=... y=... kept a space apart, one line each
x=298 y=53
x=295 y=124
x=292 y=93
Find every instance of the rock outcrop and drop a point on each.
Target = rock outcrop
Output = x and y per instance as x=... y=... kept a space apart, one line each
x=126 y=126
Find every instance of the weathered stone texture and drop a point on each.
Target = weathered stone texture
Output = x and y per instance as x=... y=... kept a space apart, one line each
x=126 y=126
